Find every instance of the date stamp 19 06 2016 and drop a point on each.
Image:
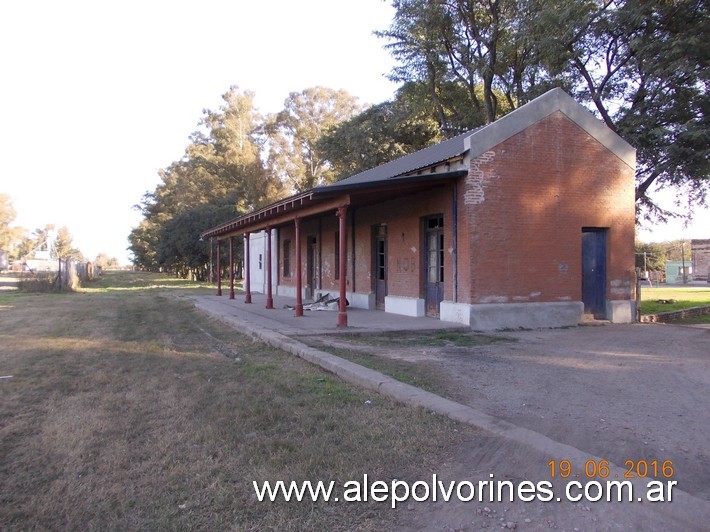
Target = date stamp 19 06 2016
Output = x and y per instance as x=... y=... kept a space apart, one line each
x=601 y=469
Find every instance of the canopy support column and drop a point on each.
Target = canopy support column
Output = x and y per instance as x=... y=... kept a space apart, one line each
x=231 y=267
x=247 y=270
x=342 y=252
x=299 y=272
x=219 y=272
x=269 y=295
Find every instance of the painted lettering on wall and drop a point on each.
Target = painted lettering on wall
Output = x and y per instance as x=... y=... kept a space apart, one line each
x=406 y=264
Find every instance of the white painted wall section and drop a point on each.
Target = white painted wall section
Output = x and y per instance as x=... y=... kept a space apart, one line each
x=406 y=306
x=257 y=261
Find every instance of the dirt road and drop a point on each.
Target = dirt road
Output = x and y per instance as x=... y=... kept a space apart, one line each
x=634 y=395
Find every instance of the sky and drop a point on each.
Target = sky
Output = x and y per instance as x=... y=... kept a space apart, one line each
x=96 y=97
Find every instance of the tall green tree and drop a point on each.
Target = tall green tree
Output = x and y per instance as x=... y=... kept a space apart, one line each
x=11 y=237
x=221 y=172
x=294 y=154
x=64 y=246
x=479 y=47
x=407 y=123
x=179 y=248
x=641 y=65
x=381 y=133
x=644 y=67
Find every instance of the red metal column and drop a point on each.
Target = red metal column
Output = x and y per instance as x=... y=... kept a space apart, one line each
x=299 y=281
x=269 y=295
x=342 y=308
x=231 y=267
x=219 y=273
x=247 y=270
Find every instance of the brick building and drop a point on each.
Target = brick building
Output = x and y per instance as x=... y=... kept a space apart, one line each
x=700 y=257
x=525 y=222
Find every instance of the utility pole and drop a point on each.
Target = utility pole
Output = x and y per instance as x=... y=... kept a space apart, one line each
x=682 y=258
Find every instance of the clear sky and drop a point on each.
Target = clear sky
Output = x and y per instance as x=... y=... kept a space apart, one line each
x=96 y=96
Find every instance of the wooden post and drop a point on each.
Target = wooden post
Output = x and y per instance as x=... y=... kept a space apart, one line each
x=247 y=270
x=342 y=303
x=299 y=281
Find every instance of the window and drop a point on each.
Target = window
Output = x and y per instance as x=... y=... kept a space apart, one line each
x=337 y=255
x=287 y=259
x=435 y=222
x=435 y=249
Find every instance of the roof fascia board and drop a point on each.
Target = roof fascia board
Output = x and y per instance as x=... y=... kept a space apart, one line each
x=502 y=129
x=259 y=223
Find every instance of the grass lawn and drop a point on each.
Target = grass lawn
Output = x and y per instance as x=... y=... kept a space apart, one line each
x=127 y=409
x=670 y=298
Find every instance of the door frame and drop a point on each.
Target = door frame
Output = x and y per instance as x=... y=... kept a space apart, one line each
x=312 y=272
x=379 y=264
x=594 y=270
x=433 y=291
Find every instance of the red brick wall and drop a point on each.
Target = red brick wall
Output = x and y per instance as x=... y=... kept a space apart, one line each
x=405 y=240
x=521 y=212
x=323 y=230
x=524 y=204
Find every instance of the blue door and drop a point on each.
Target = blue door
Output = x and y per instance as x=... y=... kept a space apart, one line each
x=594 y=271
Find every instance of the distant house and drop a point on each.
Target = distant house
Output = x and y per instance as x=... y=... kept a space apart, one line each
x=700 y=258
x=525 y=222
x=678 y=272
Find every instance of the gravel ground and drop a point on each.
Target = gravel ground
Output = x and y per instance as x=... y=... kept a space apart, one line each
x=623 y=393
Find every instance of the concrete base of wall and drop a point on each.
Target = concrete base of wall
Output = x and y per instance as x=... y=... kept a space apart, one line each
x=482 y=317
x=621 y=311
x=406 y=306
x=286 y=291
x=364 y=301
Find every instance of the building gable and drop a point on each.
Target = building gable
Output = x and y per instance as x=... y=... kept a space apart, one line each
x=484 y=139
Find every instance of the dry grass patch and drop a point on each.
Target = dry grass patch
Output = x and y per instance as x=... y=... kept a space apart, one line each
x=124 y=413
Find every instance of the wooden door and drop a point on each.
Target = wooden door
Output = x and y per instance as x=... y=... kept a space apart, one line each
x=380 y=265
x=434 y=264
x=594 y=271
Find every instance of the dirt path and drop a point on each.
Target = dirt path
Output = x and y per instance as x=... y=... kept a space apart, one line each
x=634 y=393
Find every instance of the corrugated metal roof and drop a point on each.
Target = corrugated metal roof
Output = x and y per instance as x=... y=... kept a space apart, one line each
x=411 y=162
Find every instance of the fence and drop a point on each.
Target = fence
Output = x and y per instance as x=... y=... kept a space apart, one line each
x=71 y=274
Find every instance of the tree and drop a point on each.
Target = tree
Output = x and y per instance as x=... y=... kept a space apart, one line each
x=380 y=133
x=143 y=244
x=643 y=66
x=391 y=129
x=479 y=47
x=10 y=237
x=651 y=256
x=180 y=249
x=64 y=246
x=220 y=175
x=106 y=262
x=231 y=151
x=294 y=154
